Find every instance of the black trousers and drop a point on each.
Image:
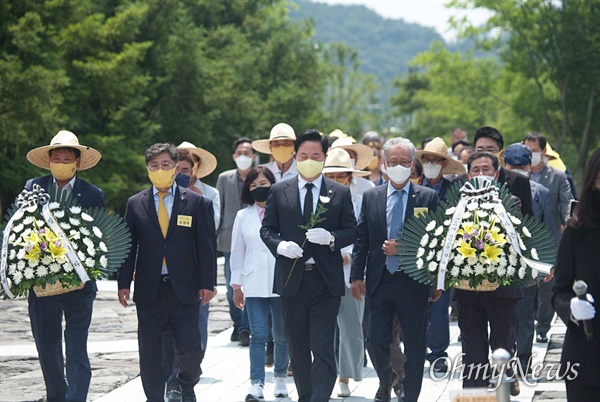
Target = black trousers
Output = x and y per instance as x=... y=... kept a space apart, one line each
x=46 y=314
x=473 y=317
x=526 y=325
x=168 y=312
x=310 y=319
x=399 y=295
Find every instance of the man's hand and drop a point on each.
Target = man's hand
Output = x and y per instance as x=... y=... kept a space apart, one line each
x=437 y=293
x=124 y=297
x=238 y=298
x=358 y=289
x=289 y=249
x=389 y=247
x=206 y=295
x=549 y=277
x=318 y=236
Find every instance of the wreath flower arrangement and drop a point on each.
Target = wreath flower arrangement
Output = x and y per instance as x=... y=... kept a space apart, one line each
x=50 y=242
x=479 y=238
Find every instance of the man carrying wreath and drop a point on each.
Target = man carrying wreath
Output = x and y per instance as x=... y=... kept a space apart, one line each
x=64 y=157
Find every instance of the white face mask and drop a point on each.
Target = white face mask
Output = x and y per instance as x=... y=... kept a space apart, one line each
x=536 y=158
x=382 y=168
x=481 y=180
x=243 y=162
x=431 y=170
x=398 y=174
x=520 y=171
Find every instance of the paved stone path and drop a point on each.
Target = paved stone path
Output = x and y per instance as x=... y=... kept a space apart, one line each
x=113 y=353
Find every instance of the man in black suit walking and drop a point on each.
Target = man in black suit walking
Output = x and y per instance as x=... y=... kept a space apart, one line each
x=310 y=279
x=390 y=291
x=173 y=256
x=64 y=157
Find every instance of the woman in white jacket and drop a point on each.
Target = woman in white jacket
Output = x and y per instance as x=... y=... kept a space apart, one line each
x=252 y=273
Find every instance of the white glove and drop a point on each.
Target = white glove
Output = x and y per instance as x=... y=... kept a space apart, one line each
x=289 y=249
x=318 y=236
x=582 y=309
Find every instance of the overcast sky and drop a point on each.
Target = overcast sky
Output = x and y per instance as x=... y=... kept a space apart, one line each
x=431 y=13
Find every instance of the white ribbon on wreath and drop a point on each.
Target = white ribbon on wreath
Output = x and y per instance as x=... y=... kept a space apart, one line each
x=489 y=193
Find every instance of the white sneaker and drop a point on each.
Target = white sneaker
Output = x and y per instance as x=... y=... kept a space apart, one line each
x=255 y=393
x=280 y=387
x=344 y=389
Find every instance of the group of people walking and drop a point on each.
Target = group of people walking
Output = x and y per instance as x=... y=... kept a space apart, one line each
x=311 y=264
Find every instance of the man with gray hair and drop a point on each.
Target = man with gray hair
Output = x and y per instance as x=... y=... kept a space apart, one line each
x=390 y=291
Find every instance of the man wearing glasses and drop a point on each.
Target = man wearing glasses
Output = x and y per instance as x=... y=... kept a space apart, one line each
x=389 y=290
x=173 y=256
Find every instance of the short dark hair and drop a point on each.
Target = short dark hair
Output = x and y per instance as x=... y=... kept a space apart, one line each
x=159 y=148
x=538 y=137
x=240 y=141
x=312 y=135
x=253 y=173
x=418 y=167
x=425 y=142
x=185 y=155
x=482 y=154
x=70 y=149
x=489 y=132
x=461 y=142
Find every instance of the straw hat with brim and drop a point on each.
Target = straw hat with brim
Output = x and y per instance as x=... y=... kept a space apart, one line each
x=208 y=162
x=280 y=131
x=364 y=153
x=40 y=157
x=438 y=147
x=338 y=160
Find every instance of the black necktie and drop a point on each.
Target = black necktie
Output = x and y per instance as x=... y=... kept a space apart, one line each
x=308 y=202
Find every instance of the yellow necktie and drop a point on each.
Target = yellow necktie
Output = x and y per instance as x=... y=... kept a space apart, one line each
x=163 y=215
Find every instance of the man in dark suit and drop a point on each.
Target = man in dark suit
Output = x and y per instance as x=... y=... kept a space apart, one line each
x=310 y=279
x=390 y=291
x=477 y=309
x=64 y=157
x=173 y=256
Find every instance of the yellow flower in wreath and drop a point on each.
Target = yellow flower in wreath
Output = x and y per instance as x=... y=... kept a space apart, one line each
x=498 y=237
x=33 y=253
x=57 y=249
x=465 y=249
x=491 y=253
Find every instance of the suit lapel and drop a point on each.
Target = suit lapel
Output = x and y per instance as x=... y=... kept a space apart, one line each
x=381 y=204
x=148 y=202
x=292 y=195
x=413 y=195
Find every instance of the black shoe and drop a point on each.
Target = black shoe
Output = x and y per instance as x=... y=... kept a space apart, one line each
x=542 y=338
x=235 y=336
x=189 y=396
x=383 y=395
x=440 y=366
x=269 y=354
x=515 y=390
x=244 y=338
x=399 y=390
x=173 y=396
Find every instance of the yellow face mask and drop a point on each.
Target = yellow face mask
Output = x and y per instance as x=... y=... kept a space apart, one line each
x=162 y=178
x=310 y=168
x=282 y=154
x=63 y=171
x=374 y=164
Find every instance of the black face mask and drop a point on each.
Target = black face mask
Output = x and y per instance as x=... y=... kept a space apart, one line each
x=182 y=180
x=260 y=194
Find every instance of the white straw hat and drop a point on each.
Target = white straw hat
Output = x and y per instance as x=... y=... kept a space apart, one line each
x=40 y=156
x=281 y=131
x=438 y=147
x=338 y=160
x=208 y=162
x=364 y=153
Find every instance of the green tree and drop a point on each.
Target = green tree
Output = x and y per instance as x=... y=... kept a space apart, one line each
x=555 y=46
